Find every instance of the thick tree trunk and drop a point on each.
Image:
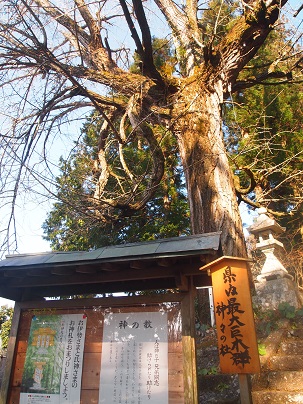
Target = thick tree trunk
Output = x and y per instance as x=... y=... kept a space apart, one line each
x=211 y=192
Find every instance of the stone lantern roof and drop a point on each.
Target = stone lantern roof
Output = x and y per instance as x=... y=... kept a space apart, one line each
x=264 y=224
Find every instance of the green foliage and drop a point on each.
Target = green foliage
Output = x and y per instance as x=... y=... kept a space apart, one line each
x=208 y=371
x=262 y=349
x=268 y=320
x=6 y=315
x=217 y=20
x=287 y=310
x=264 y=136
x=164 y=57
x=290 y=312
x=222 y=387
x=72 y=225
x=202 y=328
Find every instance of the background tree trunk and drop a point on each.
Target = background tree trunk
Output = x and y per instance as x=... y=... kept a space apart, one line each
x=211 y=191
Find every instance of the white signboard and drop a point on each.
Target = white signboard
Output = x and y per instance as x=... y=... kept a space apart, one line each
x=134 y=363
x=53 y=365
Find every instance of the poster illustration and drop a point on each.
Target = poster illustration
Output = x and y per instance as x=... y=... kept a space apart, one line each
x=134 y=362
x=53 y=364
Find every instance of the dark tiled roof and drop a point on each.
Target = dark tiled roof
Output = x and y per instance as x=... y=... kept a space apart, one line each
x=159 y=264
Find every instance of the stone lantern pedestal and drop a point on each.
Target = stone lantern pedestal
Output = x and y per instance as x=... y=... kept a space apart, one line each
x=274 y=284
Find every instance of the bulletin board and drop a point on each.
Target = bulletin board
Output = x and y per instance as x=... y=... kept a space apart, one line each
x=114 y=350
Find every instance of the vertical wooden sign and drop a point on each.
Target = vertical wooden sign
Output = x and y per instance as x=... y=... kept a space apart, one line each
x=237 y=342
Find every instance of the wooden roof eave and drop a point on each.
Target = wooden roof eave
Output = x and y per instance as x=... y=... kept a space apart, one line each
x=139 y=266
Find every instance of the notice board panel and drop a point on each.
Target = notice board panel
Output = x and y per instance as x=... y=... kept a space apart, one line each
x=126 y=350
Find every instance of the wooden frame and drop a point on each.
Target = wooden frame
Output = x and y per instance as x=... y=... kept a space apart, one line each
x=182 y=356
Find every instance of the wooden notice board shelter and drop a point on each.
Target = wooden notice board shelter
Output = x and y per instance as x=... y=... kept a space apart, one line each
x=170 y=264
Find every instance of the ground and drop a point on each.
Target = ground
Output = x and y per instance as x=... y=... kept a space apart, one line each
x=214 y=387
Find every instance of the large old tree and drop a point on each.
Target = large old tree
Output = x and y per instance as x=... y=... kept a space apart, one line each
x=57 y=57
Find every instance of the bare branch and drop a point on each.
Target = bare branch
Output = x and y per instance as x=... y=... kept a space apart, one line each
x=63 y=19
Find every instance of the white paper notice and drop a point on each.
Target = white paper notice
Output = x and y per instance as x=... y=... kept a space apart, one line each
x=134 y=363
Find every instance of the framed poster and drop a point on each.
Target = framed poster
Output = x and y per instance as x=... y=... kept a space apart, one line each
x=54 y=356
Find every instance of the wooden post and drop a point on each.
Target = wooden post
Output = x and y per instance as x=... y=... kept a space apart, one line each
x=245 y=388
x=10 y=355
x=189 y=347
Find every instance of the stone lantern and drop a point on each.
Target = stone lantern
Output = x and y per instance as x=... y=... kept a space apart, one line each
x=274 y=284
x=265 y=229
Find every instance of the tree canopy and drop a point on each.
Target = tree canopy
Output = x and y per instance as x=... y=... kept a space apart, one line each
x=264 y=133
x=70 y=226
x=264 y=139
x=58 y=58
x=6 y=315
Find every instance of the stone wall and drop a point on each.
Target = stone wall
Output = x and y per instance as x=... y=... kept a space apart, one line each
x=270 y=293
